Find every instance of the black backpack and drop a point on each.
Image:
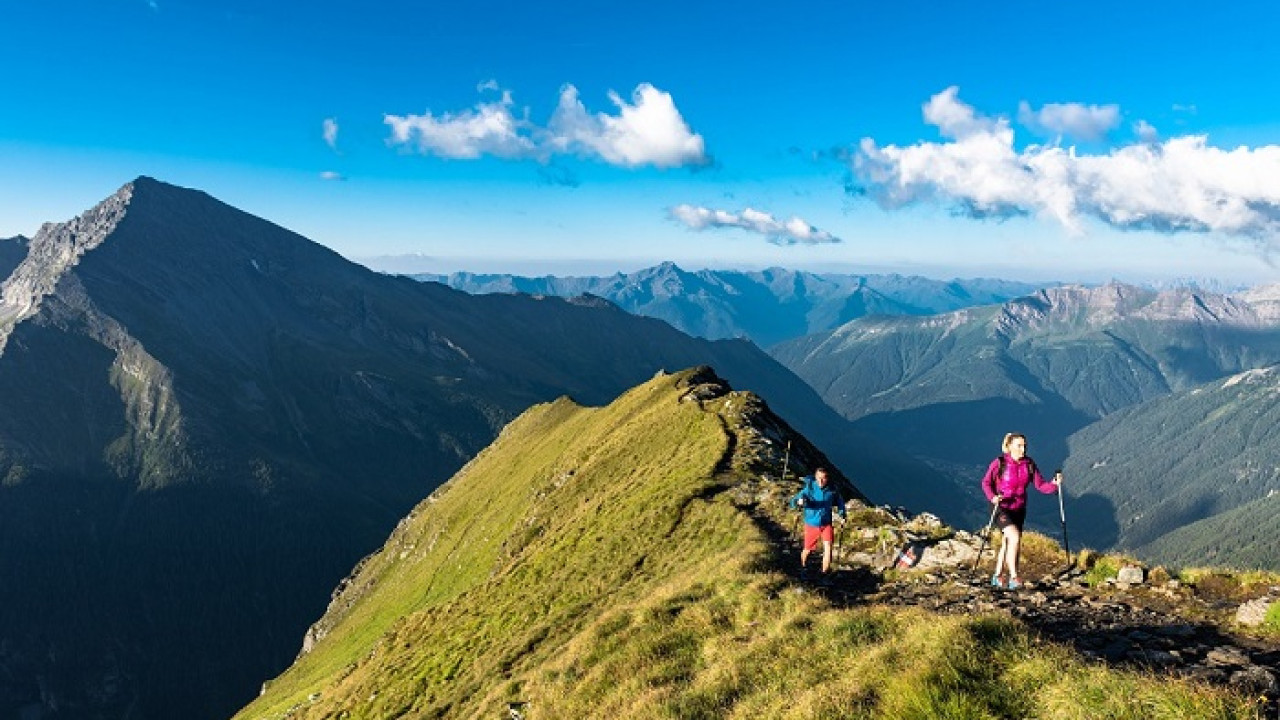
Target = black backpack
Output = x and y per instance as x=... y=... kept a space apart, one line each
x=1031 y=469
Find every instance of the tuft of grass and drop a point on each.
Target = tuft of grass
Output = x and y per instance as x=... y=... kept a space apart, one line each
x=1271 y=621
x=1085 y=693
x=1101 y=567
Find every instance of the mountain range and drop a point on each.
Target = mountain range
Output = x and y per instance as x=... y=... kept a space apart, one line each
x=947 y=387
x=207 y=420
x=767 y=306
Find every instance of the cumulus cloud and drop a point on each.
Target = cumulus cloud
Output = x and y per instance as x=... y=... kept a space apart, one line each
x=1180 y=184
x=794 y=231
x=957 y=120
x=647 y=130
x=488 y=129
x=331 y=132
x=1089 y=123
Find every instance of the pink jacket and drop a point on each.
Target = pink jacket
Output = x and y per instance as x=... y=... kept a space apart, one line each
x=1012 y=486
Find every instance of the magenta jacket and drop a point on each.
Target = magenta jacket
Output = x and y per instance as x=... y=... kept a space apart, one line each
x=1013 y=485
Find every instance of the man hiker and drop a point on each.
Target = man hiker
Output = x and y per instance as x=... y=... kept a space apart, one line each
x=1005 y=485
x=817 y=498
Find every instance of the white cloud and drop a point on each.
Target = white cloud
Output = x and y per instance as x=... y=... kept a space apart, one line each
x=649 y=130
x=331 y=175
x=957 y=120
x=331 y=132
x=1089 y=123
x=488 y=129
x=794 y=231
x=1181 y=184
x=1146 y=132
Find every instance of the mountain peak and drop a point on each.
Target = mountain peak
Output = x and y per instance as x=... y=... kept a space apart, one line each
x=1104 y=305
x=55 y=249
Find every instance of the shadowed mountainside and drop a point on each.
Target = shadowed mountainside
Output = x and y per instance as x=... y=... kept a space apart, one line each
x=1192 y=476
x=208 y=419
x=12 y=250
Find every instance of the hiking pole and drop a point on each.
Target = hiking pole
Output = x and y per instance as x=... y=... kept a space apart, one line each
x=1062 y=513
x=995 y=508
x=786 y=461
x=835 y=551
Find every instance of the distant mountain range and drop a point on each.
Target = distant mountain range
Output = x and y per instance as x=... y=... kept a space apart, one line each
x=947 y=387
x=768 y=306
x=207 y=420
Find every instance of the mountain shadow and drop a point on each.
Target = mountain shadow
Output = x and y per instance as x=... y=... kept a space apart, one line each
x=207 y=420
x=12 y=251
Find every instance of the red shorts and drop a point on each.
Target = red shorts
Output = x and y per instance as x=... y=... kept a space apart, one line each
x=813 y=534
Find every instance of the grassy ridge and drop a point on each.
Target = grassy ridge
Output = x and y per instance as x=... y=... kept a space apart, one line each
x=588 y=564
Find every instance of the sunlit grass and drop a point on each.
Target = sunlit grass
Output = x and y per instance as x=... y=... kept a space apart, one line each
x=587 y=565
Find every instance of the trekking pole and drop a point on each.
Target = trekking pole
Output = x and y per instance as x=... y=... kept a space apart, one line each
x=995 y=508
x=1062 y=513
x=835 y=551
x=786 y=461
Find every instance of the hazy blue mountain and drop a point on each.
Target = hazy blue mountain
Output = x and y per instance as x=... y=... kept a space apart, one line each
x=1265 y=299
x=947 y=387
x=12 y=250
x=206 y=420
x=768 y=306
x=1192 y=477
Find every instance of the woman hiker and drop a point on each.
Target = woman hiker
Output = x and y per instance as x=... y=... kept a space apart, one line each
x=817 y=498
x=1005 y=485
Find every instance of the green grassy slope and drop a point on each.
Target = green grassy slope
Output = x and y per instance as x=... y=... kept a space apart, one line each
x=603 y=563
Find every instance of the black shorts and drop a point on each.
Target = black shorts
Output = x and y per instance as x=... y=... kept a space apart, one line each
x=1006 y=517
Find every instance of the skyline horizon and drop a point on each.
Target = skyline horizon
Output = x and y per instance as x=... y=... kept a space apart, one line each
x=903 y=135
x=426 y=263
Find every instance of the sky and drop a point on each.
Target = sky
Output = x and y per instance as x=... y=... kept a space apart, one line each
x=1079 y=141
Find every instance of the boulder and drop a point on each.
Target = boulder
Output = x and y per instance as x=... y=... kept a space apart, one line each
x=1131 y=575
x=1227 y=655
x=1254 y=612
x=946 y=554
x=1255 y=680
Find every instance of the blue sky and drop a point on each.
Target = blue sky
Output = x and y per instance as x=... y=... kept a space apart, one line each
x=1080 y=142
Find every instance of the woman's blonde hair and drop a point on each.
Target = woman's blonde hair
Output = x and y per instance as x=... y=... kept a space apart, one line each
x=1010 y=437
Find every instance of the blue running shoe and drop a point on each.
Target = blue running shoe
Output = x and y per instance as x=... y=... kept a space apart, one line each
x=997 y=582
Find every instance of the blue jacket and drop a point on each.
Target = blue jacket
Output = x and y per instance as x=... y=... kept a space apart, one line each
x=818 y=502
